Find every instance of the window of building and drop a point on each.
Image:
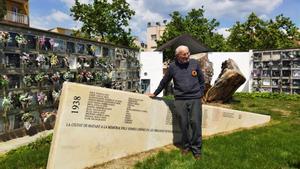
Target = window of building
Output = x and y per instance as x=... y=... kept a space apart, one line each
x=145 y=85
x=153 y=37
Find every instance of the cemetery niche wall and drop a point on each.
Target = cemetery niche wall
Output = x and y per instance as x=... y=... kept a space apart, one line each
x=276 y=71
x=35 y=63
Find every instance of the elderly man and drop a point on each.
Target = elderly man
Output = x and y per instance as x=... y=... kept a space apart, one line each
x=188 y=89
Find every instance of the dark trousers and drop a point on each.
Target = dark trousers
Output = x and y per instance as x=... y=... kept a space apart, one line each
x=190 y=119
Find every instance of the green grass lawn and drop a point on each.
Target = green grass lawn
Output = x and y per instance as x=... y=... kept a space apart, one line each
x=276 y=145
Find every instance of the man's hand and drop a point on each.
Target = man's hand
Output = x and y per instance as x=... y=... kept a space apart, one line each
x=150 y=95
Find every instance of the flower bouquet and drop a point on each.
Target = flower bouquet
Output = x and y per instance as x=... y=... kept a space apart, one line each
x=46 y=115
x=68 y=76
x=25 y=57
x=40 y=77
x=55 y=96
x=98 y=76
x=3 y=81
x=89 y=76
x=27 y=80
x=27 y=118
x=4 y=37
x=55 y=77
x=53 y=60
x=80 y=76
x=6 y=104
x=40 y=60
x=25 y=100
x=21 y=40
x=41 y=98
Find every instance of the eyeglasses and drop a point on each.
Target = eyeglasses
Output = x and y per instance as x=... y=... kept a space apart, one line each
x=185 y=54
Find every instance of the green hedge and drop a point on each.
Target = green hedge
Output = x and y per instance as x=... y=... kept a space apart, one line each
x=269 y=95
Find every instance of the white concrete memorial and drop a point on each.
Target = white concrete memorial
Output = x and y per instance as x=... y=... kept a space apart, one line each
x=96 y=125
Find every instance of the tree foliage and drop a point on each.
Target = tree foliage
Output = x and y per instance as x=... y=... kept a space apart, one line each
x=195 y=24
x=108 y=20
x=256 y=33
x=3 y=9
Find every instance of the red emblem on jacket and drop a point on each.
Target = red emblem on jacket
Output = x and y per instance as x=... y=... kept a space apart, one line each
x=194 y=73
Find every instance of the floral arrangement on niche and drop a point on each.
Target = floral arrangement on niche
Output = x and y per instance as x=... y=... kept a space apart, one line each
x=102 y=61
x=103 y=77
x=41 y=98
x=86 y=65
x=98 y=76
x=42 y=40
x=27 y=80
x=40 y=77
x=40 y=59
x=85 y=75
x=27 y=118
x=46 y=115
x=25 y=57
x=55 y=77
x=93 y=48
x=89 y=76
x=55 y=95
x=53 y=60
x=4 y=37
x=66 y=62
x=68 y=76
x=52 y=42
x=6 y=105
x=105 y=64
x=83 y=62
x=78 y=65
x=3 y=81
x=25 y=100
x=21 y=40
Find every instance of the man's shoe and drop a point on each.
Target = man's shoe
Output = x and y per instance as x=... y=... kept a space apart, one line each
x=184 y=151
x=197 y=156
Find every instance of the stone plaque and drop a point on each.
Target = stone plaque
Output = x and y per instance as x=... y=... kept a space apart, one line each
x=219 y=120
x=96 y=125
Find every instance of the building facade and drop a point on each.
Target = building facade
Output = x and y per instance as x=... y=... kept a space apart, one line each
x=63 y=31
x=154 y=33
x=17 y=12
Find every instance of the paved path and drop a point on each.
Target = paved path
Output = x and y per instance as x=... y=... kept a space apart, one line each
x=18 y=142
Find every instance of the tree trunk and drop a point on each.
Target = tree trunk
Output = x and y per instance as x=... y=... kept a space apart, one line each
x=229 y=80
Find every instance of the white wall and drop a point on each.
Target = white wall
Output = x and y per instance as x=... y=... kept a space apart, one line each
x=152 y=64
x=242 y=59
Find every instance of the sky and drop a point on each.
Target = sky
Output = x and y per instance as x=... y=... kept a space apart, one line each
x=47 y=14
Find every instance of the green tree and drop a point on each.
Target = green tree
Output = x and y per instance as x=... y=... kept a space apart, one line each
x=195 y=24
x=3 y=9
x=108 y=20
x=256 y=33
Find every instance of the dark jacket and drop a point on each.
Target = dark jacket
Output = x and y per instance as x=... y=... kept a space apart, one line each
x=188 y=80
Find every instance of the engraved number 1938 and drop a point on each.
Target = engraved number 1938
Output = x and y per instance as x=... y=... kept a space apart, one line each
x=76 y=104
